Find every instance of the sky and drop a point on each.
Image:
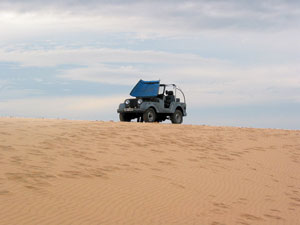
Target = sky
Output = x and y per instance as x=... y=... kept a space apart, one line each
x=237 y=61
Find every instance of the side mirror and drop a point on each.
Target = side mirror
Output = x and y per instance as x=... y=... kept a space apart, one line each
x=177 y=99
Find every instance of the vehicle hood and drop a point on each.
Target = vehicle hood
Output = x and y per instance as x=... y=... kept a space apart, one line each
x=145 y=89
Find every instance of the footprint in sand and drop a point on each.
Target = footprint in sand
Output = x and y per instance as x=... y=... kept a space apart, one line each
x=4 y=192
x=251 y=217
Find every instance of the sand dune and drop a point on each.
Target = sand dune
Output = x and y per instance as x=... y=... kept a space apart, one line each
x=80 y=172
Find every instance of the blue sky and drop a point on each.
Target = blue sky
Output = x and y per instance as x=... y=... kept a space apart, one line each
x=237 y=61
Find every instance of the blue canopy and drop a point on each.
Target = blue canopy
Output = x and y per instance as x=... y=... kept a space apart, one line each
x=145 y=89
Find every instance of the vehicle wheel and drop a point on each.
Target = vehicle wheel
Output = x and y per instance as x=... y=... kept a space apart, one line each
x=176 y=117
x=149 y=116
x=124 y=117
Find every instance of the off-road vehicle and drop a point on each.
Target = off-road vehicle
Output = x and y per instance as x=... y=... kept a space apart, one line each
x=153 y=102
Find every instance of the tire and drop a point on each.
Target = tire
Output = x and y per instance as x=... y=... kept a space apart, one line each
x=124 y=117
x=176 y=117
x=149 y=116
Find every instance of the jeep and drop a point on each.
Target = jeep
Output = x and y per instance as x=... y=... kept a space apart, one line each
x=153 y=102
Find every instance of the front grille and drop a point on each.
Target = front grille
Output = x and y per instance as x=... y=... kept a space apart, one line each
x=133 y=103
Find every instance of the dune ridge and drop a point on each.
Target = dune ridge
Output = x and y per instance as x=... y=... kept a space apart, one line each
x=90 y=172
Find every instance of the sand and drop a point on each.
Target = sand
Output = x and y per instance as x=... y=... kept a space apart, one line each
x=90 y=172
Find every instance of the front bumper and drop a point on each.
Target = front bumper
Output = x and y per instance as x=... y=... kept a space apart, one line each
x=130 y=110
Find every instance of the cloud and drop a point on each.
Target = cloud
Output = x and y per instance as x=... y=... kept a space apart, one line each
x=205 y=81
x=3 y=85
x=89 y=56
x=149 y=18
x=75 y=107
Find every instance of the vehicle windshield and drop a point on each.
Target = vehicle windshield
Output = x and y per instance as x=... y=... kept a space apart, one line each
x=161 y=90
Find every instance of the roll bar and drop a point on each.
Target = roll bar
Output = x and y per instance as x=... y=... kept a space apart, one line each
x=176 y=88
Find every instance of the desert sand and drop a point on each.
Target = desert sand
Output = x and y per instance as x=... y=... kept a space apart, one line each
x=90 y=172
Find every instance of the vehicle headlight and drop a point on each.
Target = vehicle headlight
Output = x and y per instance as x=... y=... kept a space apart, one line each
x=140 y=101
x=127 y=102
